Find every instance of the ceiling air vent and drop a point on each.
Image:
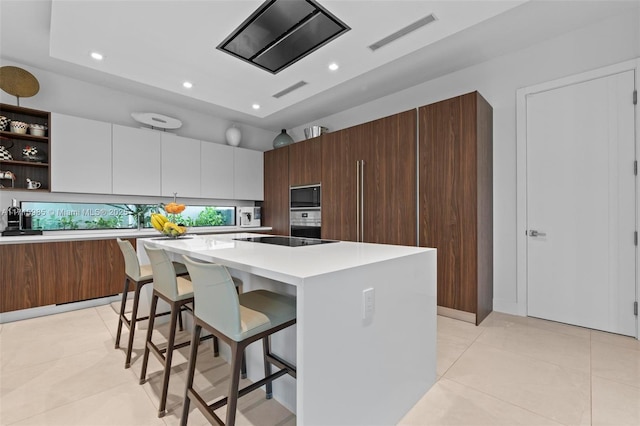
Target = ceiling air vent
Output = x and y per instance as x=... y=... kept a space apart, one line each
x=290 y=89
x=403 y=32
x=281 y=32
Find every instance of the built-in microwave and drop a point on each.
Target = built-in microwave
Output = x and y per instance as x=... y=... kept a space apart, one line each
x=305 y=197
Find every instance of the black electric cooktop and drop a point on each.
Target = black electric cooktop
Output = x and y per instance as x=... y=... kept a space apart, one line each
x=286 y=241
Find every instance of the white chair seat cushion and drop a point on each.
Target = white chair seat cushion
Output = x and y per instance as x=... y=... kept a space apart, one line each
x=250 y=319
x=185 y=288
x=261 y=310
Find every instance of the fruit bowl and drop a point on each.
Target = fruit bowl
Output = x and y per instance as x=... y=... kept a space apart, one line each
x=172 y=230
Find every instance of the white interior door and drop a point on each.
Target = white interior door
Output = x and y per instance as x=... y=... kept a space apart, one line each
x=581 y=203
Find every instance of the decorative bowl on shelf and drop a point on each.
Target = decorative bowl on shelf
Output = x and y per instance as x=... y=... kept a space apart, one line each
x=19 y=127
x=4 y=123
x=37 y=129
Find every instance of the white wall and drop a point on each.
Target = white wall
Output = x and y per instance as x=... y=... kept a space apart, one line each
x=74 y=97
x=614 y=40
x=65 y=95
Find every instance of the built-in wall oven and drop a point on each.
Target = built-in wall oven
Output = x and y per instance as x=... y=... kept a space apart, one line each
x=305 y=217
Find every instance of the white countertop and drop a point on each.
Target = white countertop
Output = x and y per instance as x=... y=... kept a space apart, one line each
x=287 y=264
x=105 y=234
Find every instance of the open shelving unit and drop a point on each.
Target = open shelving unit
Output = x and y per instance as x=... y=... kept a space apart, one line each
x=16 y=142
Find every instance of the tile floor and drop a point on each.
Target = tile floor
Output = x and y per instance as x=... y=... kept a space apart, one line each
x=63 y=370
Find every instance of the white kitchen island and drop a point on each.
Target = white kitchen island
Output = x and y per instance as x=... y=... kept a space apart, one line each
x=351 y=370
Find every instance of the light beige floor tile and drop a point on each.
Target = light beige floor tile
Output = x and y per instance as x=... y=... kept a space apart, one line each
x=509 y=370
x=557 y=348
x=614 y=403
x=555 y=392
x=615 y=339
x=109 y=318
x=448 y=351
x=123 y=405
x=499 y=319
x=34 y=341
x=33 y=390
x=450 y=403
x=458 y=329
x=615 y=363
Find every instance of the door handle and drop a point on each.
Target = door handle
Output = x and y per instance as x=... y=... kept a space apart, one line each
x=534 y=233
x=357 y=200
x=361 y=201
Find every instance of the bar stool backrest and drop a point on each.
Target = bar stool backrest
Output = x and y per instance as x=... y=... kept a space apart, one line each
x=215 y=297
x=131 y=263
x=164 y=273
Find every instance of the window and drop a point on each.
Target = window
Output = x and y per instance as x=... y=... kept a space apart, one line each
x=52 y=216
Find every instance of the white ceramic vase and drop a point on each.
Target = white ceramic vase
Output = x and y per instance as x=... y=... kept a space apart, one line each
x=233 y=136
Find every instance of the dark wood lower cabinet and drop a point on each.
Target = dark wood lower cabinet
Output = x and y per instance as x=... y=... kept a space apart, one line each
x=40 y=274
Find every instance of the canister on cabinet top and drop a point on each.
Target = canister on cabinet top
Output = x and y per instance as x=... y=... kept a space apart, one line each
x=13 y=215
x=26 y=220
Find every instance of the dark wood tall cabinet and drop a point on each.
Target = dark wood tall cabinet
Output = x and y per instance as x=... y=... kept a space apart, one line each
x=339 y=206
x=456 y=201
x=390 y=181
x=275 y=209
x=368 y=181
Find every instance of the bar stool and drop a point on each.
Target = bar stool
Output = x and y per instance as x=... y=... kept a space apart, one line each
x=238 y=320
x=138 y=275
x=178 y=293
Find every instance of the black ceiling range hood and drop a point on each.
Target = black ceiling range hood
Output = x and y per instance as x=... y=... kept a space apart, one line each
x=281 y=32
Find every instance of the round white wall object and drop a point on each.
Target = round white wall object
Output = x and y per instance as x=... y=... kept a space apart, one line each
x=156 y=120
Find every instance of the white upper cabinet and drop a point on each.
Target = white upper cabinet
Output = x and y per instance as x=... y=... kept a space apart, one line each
x=216 y=170
x=81 y=156
x=180 y=166
x=136 y=161
x=248 y=175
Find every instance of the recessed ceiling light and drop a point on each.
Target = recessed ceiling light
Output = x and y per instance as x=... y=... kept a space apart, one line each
x=333 y=66
x=255 y=106
x=187 y=85
x=97 y=56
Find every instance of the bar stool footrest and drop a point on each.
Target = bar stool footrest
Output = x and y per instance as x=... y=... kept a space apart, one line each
x=244 y=391
x=203 y=407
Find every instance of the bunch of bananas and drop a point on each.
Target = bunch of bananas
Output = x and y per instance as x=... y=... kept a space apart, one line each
x=174 y=208
x=162 y=224
x=158 y=220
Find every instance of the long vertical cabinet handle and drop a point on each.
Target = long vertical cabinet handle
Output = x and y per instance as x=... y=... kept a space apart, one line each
x=357 y=200
x=362 y=201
